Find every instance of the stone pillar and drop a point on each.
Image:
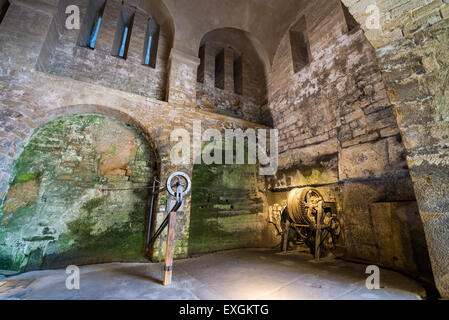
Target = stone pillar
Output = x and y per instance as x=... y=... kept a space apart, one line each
x=181 y=86
x=229 y=69
x=209 y=66
x=137 y=41
x=412 y=46
x=23 y=33
x=108 y=27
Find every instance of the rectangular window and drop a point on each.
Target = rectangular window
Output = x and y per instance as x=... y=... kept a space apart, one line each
x=148 y=53
x=219 y=70
x=151 y=42
x=200 y=73
x=123 y=34
x=299 y=45
x=94 y=35
x=238 y=75
x=124 y=41
x=91 y=25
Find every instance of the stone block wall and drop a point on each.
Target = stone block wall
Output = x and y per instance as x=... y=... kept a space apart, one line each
x=182 y=74
x=99 y=65
x=365 y=102
x=55 y=212
x=337 y=128
x=231 y=104
x=23 y=33
x=227 y=206
x=411 y=47
x=400 y=235
x=250 y=104
x=30 y=98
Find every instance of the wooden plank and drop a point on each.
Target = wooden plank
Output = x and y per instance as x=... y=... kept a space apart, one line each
x=285 y=237
x=301 y=225
x=169 y=249
x=318 y=231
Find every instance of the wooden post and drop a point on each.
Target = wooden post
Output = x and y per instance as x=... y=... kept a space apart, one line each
x=318 y=231
x=285 y=237
x=169 y=249
x=170 y=245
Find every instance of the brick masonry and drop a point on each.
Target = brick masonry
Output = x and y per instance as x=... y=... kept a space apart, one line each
x=31 y=98
x=348 y=118
x=336 y=126
x=251 y=103
x=98 y=66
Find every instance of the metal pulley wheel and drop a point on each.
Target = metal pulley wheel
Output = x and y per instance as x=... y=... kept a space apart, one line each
x=304 y=205
x=177 y=179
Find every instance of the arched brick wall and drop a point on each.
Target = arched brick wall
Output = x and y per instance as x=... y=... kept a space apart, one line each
x=30 y=101
x=56 y=212
x=227 y=50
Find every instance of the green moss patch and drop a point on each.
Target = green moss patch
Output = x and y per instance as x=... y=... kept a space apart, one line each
x=54 y=213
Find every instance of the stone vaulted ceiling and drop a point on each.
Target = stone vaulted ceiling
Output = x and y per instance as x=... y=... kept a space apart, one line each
x=265 y=20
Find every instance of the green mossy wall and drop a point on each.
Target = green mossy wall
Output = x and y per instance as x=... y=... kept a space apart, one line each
x=225 y=209
x=55 y=213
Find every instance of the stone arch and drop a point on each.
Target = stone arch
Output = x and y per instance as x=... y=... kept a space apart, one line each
x=117 y=113
x=62 y=191
x=240 y=39
x=232 y=75
x=54 y=113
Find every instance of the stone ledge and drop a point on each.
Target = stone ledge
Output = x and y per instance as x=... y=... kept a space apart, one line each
x=37 y=5
x=147 y=100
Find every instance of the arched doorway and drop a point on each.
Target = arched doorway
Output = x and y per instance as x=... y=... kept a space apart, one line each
x=56 y=211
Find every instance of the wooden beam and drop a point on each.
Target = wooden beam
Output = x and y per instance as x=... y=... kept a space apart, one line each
x=318 y=231
x=285 y=237
x=169 y=249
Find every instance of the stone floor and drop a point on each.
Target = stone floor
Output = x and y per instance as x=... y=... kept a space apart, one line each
x=237 y=274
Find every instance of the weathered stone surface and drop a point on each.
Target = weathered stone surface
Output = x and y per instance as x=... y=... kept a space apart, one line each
x=400 y=236
x=351 y=101
x=227 y=208
x=414 y=65
x=55 y=214
x=219 y=91
x=337 y=128
x=366 y=160
x=20 y=194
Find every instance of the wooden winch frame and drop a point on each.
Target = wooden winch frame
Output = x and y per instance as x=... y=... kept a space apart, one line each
x=316 y=222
